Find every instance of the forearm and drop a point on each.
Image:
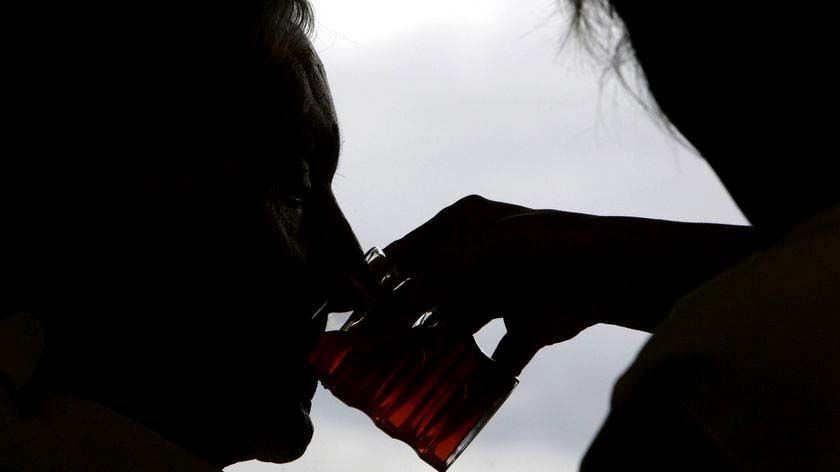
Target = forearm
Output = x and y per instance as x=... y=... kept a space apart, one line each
x=666 y=260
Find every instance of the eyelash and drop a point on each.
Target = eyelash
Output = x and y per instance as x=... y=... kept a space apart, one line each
x=289 y=183
x=301 y=187
x=298 y=199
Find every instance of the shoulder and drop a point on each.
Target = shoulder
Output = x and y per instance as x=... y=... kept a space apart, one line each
x=65 y=432
x=70 y=433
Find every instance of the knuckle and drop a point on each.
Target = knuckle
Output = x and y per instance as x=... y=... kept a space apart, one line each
x=472 y=200
x=466 y=204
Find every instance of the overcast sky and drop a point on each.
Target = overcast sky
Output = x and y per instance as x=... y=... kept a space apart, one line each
x=443 y=98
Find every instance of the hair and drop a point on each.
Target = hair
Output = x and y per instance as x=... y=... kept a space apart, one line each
x=600 y=30
x=279 y=24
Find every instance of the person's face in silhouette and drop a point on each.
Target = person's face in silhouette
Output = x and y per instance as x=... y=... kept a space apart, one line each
x=276 y=247
x=199 y=320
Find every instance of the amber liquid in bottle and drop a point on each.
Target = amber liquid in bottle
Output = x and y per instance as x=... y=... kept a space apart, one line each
x=427 y=388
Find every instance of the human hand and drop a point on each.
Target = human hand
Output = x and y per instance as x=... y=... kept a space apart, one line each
x=549 y=274
x=480 y=259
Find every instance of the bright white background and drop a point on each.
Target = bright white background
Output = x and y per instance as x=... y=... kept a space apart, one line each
x=442 y=98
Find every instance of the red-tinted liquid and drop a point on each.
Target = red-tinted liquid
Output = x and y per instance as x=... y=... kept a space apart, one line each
x=427 y=389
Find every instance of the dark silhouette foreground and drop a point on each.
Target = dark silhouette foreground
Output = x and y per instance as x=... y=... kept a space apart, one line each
x=172 y=232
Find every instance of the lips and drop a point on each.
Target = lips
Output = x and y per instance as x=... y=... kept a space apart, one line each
x=291 y=431
x=299 y=436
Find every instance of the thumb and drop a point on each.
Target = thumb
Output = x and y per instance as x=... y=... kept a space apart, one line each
x=513 y=353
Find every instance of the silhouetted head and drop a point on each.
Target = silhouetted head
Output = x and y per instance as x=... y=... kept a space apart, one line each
x=743 y=83
x=177 y=228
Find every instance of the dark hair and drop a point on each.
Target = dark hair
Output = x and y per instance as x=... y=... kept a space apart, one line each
x=600 y=30
x=280 y=23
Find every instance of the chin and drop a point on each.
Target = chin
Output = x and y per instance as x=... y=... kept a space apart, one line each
x=283 y=443
x=291 y=445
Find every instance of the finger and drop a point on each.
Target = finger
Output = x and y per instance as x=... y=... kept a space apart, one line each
x=400 y=308
x=419 y=296
x=513 y=353
x=351 y=291
x=421 y=248
x=462 y=315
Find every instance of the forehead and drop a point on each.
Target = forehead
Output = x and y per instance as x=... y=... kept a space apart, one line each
x=311 y=108
x=316 y=99
x=243 y=120
x=289 y=96
x=271 y=114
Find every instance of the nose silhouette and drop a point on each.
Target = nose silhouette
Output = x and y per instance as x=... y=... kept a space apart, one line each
x=348 y=278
